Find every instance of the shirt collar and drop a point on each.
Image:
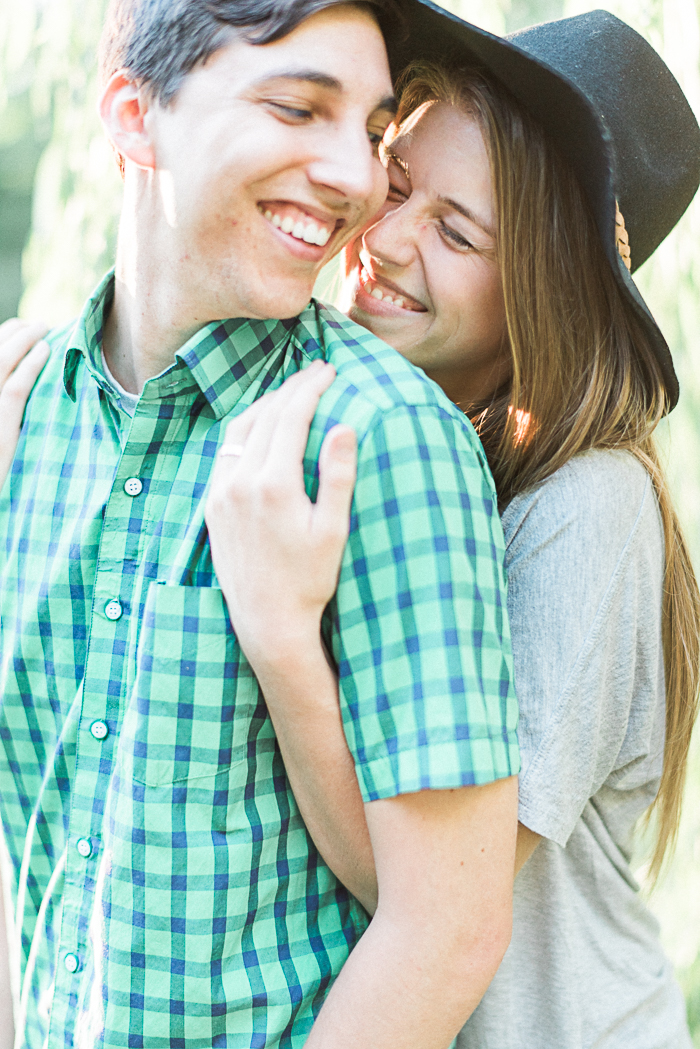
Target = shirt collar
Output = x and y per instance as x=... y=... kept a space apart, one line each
x=86 y=340
x=222 y=359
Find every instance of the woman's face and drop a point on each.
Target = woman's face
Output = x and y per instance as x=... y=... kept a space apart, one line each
x=424 y=278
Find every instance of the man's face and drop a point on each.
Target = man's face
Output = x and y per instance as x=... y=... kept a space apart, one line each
x=266 y=162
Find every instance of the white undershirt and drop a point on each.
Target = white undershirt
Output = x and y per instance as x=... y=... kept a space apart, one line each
x=127 y=401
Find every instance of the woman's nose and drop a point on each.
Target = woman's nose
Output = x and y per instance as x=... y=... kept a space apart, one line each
x=392 y=240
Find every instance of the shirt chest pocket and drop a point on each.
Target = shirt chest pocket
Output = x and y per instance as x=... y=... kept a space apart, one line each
x=190 y=677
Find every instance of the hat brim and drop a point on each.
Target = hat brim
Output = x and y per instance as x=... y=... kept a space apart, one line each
x=568 y=116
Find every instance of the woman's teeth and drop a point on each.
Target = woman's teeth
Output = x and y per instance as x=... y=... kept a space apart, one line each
x=377 y=294
x=309 y=232
x=383 y=296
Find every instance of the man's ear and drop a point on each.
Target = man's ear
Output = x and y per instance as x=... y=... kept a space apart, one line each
x=123 y=107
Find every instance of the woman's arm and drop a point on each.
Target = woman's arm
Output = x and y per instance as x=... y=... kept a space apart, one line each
x=301 y=692
x=20 y=364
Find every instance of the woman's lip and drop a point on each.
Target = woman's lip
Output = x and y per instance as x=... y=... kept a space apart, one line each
x=395 y=290
x=380 y=307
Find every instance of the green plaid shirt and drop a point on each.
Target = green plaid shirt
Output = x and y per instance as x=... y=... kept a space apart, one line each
x=166 y=891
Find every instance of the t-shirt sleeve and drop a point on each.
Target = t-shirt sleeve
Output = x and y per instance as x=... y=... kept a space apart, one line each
x=585 y=574
x=419 y=623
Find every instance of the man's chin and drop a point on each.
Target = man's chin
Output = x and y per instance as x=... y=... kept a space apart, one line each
x=284 y=305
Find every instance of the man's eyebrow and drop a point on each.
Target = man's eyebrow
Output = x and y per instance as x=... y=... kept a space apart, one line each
x=468 y=214
x=315 y=76
x=310 y=76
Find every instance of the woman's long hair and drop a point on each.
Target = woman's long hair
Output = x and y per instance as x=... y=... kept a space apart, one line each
x=583 y=374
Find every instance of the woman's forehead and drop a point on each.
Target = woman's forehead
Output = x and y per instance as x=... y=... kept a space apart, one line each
x=452 y=135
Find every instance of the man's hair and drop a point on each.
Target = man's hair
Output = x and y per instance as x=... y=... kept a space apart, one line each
x=159 y=41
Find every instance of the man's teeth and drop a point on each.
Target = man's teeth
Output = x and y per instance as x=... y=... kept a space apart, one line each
x=310 y=233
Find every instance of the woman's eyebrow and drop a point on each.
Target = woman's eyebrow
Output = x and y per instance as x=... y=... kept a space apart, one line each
x=468 y=214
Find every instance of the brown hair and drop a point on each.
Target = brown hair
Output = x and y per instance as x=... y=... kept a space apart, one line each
x=583 y=375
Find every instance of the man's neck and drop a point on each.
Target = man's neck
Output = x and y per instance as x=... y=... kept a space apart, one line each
x=153 y=313
x=140 y=336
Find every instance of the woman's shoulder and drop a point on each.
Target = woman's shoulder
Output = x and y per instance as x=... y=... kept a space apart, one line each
x=597 y=484
x=601 y=500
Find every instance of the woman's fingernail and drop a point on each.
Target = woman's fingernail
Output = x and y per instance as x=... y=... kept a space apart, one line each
x=344 y=446
x=42 y=346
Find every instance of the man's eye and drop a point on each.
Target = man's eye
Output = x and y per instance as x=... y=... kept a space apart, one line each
x=291 y=112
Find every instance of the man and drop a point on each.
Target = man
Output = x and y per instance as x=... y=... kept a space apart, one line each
x=165 y=888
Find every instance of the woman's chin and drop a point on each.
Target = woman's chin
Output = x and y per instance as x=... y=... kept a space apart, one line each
x=386 y=329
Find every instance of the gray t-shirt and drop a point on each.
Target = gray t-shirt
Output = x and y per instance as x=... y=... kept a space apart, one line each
x=585 y=969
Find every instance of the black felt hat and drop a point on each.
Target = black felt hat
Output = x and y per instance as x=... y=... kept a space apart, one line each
x=612 y=107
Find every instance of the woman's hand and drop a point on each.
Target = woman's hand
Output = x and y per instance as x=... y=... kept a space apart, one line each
x=276 y=554
x=21 y=359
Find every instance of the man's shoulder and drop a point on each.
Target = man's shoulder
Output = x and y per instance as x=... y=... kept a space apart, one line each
x=373 y=378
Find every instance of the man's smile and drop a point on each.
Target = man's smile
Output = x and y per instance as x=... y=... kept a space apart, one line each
x=306 y=226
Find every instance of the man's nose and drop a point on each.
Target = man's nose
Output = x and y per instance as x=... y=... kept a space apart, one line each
x=350 y=166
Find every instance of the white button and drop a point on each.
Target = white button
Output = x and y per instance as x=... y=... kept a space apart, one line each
x=132 y=486
x=99 y=730
x=84 y=847
x=72 y=963
x=113 y=610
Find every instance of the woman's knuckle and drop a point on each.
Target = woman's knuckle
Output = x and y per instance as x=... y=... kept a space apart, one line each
x=15 y=391
x=269 y=489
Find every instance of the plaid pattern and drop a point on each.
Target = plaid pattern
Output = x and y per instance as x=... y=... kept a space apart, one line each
x=166 y=891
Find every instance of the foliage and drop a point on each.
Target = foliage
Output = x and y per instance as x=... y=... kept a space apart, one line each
x=77 y=187
x=47 y=48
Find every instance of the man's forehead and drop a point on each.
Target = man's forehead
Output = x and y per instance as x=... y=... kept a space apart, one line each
x=319 y=51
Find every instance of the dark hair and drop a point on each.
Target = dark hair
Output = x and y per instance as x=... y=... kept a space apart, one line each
x=159 y=41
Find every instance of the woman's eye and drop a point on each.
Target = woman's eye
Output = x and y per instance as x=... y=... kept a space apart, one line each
x=395 y=193
x=456 y=238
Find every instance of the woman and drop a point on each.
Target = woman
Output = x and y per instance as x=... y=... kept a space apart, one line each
x=495 y=268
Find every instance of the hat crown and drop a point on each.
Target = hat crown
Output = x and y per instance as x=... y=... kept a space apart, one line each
x=655 y=162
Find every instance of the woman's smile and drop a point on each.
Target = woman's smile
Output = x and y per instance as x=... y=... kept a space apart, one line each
x=375 y=294
x=425 y=277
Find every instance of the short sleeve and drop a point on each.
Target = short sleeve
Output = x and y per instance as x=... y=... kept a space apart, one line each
x=585 y=562
x=420 y=630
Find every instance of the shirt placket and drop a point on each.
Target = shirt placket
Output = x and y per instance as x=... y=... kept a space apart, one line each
x=116 y=595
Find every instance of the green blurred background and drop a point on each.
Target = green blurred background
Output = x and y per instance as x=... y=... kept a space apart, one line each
x=59 y=203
